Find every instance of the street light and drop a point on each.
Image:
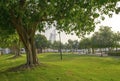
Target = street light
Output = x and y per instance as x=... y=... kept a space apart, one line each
x=60 y=45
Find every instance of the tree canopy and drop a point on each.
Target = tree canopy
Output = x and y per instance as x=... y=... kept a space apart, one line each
x=103 y=38
x=71 y=15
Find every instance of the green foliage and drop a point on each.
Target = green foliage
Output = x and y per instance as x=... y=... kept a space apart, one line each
x=12 y=42
x=114 y=53
x=70 y=44
x=77 y=16
x=103 y=38
x=73 y=67
x=85 y=43
x=75 y=44
x=41 y=41
x=7 y=36
x=56 y=45
x=116 y=39
x=9 y=40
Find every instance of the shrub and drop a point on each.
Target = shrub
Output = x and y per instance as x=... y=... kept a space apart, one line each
x=114 y=53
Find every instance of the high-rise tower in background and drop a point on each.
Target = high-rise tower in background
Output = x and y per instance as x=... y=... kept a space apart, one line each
x=52 y=37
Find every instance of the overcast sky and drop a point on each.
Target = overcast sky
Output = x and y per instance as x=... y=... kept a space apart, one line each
x=113 y=22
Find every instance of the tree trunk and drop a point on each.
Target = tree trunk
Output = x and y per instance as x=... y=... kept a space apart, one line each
x=31 y=53
x=106 y=51
x=88 y=51
x=15 y=50
x=116 y=49
x=26 y=35
x=93 y=51
x=101 y=52
x=17 y=53
x=27 y=38
x=41 y=51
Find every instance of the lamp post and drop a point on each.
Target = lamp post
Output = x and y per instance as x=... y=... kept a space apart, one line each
x=60 y=47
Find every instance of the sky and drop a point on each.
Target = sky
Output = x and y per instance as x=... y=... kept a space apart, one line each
x=113 y=22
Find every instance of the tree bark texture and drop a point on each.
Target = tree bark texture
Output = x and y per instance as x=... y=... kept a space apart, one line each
x=27 y=38
x=30 y=51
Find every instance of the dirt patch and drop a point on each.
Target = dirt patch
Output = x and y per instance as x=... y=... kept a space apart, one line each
x=69 y=72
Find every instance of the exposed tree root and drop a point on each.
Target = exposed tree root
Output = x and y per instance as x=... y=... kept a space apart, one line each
x=15 y=56
x=23 y=67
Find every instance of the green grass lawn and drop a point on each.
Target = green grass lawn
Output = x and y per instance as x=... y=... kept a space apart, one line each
x=71 y=68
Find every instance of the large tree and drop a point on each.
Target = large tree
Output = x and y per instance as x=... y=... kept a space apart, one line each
x=26 y=16
x=103 y=39
x=85 y=44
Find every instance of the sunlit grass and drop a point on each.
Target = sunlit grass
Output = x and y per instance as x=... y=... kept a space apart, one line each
x=72 y=68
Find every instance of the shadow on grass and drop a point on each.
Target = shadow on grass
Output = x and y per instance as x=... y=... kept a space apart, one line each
x=43 y=72
x=15 y=57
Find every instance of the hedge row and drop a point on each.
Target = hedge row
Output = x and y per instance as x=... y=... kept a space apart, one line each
x=114 y=53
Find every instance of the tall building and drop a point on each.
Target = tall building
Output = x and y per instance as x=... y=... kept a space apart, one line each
x=52 y=37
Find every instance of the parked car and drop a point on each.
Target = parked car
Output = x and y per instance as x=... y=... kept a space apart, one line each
x=22 y=50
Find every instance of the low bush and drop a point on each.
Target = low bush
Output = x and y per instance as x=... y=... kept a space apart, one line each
x=114 y=53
